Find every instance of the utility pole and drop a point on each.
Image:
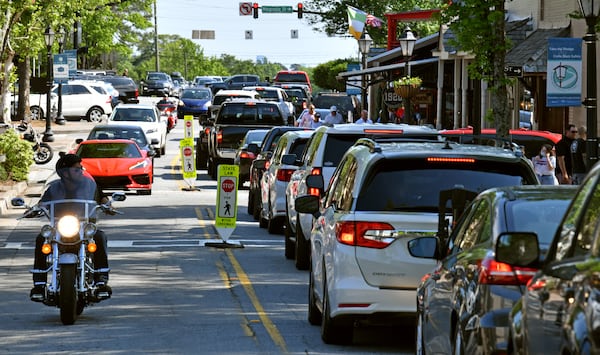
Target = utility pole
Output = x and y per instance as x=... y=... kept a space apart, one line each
x=157 y=65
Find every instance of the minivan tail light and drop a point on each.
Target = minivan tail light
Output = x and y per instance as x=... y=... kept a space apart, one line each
x=137 y=93
x=314 y=191
x=493 y=272
x=284 y=174
x=376 y=235
x=219 y=136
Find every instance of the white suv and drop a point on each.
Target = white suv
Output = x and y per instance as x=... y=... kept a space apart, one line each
x=374 y=236
x=321 y=156
x=80 y=99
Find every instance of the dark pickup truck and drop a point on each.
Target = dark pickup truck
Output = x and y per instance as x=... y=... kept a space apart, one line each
x=237 y=82
x=234 y=119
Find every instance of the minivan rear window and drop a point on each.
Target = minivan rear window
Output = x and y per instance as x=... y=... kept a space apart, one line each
x=414 y=185
x=258 y=114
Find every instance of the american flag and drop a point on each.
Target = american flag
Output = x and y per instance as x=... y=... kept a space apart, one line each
x=373 y=21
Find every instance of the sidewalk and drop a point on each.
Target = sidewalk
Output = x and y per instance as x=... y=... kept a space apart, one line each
x=38 y=174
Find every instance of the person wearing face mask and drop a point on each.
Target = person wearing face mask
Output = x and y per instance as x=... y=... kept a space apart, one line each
x=545 y=164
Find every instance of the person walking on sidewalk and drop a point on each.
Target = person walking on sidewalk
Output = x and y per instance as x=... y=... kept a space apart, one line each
x=564 y=171
x=579 y=156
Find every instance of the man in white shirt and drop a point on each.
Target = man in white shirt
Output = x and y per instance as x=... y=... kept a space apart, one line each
x=364 y=117
x=333 y=117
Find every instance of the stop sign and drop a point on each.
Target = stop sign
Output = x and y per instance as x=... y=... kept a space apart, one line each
x=227 y=185
x=187 y=151
x=188 y=123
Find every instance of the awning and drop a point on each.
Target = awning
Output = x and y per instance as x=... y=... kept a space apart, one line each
x=385 y=68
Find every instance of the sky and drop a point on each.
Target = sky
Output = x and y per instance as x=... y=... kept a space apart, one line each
x=271 y=32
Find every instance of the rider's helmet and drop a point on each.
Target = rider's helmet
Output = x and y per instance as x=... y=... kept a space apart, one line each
x=67 y=161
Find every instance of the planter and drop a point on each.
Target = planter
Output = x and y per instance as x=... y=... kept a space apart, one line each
x=406 y=91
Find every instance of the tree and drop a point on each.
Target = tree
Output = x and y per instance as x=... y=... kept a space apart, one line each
x=478 y=26
x=325 y=74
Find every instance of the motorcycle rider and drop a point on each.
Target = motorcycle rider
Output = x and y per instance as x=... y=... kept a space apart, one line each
x=74 y=183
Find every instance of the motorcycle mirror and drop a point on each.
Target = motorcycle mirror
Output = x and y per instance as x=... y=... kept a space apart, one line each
x=17 y=201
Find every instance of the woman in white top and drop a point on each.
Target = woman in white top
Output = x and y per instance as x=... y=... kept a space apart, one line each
x=307 y=118
x=545 y=164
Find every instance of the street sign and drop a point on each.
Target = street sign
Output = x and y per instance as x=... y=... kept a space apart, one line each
x=226 y=208
x=294 y=34
x=188 y=163
x=512 y=70
x=276 y=9
x=188 y=125
x=391 y=99
x=248 y=34
x=60 y=68
x=72 y=60
x=245 y=8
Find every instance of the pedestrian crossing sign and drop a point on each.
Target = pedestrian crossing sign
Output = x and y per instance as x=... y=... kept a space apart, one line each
x=227 y=188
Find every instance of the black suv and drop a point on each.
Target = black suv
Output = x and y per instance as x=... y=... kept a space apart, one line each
x=128 y=89
x=158 y=83
x=345 y=103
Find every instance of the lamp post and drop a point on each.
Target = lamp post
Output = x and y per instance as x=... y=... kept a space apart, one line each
x=49 y=38
x=591 y=10
x=364 y=45
x=407 y=44
x=60 y=119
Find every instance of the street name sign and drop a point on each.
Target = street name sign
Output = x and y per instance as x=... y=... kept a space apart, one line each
x=276 y=9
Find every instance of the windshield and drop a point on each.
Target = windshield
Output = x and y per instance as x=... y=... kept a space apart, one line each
x=196 y=94
x=138 y=115
x=135 y=134
x=414 y=185
x=108 y=150
x=257 y=114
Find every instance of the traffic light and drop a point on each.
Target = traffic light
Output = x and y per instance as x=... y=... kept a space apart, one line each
x=255 y=10
x=300 y=8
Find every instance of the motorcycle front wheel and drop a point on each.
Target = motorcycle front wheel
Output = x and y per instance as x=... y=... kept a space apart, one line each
x=67 y=298
x=42 y=153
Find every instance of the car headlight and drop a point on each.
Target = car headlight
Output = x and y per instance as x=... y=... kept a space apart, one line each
x=68 y=226
x=139 y=165
x=152 y=130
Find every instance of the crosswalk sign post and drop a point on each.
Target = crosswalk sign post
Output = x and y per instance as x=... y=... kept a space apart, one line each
x=188 y=163
x=188 y=126
x=227 y=188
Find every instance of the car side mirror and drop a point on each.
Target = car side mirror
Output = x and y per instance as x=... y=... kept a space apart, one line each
x=259 y=163
x=315 y=182
x=78 y=140
x=289 y=159
x=253 y=148
x=518 y=249
x=423 y=247
x=308 y=204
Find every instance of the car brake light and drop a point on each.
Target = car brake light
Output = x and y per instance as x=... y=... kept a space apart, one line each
x=267 y=164
x=450 y=160
x=303 y=104
x=376 y=235
x=497 y=273
x=284 y=174
x=137 y=93
x=383 y=131
x=314 y=191
x=219 y=136
x=207 y=131
x=247 y=155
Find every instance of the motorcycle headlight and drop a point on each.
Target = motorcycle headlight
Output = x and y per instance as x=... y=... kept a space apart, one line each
x=89 y=230
x=68 y=226
x=47 y=231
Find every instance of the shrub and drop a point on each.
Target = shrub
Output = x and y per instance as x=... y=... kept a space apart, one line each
x=19 y=157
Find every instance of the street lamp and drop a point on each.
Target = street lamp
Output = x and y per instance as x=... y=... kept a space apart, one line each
x=591 y=10
x=407 y=44
x=49 y=37
x=364 y=45
x=60 y=119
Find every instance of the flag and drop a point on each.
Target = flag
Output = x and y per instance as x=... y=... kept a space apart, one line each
x=356 y=21
x=373 y=21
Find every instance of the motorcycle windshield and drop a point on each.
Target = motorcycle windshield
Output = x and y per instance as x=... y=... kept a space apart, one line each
x=82 y=209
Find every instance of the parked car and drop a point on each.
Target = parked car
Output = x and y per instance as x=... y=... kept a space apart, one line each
x=246 y=153
x=117 y=164
x=81 y=100
x=321 y=156
x=132 y=132
x=530 y=139
x=374 y=233
x=258 y=166
x=195 y=102
x=276 y=177
x=559 y=311
x=128 y=89
x=37 y=105
x=147 y=117
x=345 y=103
x=450 y=300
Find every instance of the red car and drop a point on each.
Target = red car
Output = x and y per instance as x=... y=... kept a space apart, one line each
x=531 y=140
x=117 y=164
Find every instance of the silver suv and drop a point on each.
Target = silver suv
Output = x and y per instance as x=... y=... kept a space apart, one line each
x=375 y=229
x=321 y=156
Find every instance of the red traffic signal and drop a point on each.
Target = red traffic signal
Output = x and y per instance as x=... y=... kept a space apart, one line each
x=300 y=9
x=255 y=10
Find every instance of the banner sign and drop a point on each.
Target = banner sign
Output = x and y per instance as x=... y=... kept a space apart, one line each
x=563 y=84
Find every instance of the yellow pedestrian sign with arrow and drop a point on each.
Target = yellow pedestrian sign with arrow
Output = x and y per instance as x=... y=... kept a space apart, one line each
x=188 y=163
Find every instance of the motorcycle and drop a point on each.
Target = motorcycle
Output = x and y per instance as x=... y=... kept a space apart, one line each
x=42 y=152
x=69 y=246
x=169 y=110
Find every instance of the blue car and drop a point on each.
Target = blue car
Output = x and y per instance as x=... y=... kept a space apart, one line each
x=194 y=101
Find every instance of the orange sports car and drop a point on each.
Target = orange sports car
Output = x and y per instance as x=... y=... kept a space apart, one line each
x=117 y=164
